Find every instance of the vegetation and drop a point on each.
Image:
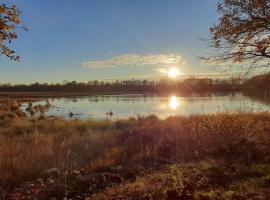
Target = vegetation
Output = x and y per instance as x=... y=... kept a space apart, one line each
x=9 y=23
x=242 y=34
x=186 y=86
x=258 y=87
x=209 y=157
x=222 y=156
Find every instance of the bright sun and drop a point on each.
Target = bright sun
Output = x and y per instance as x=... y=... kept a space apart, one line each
x=173 y=72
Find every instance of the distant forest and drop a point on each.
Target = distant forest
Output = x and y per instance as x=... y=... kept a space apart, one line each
x=130 y=86
x=258 y=85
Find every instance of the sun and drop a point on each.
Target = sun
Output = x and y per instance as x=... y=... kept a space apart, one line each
x=173 y=72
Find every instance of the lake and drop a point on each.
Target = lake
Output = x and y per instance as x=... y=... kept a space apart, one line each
x=132 y=105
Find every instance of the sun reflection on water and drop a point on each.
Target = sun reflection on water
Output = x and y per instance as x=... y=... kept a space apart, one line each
x=174 y=102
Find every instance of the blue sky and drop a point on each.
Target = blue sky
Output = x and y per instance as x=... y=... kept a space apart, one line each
x=65 y=35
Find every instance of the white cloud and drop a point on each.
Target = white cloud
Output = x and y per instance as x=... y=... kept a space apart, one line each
x=134 y=60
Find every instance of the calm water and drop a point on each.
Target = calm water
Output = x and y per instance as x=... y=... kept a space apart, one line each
x=124 y=106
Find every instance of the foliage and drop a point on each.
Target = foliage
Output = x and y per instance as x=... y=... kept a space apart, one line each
x=189 y=182
x=258 y=87
x=9 y=22
x=242 y=34
x=199 y=85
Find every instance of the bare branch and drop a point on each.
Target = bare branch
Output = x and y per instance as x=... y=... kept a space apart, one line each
x=242 y=34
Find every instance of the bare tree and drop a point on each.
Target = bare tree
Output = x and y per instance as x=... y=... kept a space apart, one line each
x=242 y=34
x=9 y=23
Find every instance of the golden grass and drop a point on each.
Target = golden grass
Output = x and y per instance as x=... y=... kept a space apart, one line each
x=29 y=146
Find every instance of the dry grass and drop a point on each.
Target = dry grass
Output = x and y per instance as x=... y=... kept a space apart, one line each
x=149 y=145
x=27 y=148
x=203 y=181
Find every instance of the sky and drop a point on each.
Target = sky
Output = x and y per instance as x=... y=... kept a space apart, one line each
x=85 y=40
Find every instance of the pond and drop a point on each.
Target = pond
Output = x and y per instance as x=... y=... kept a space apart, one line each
x=132 y=105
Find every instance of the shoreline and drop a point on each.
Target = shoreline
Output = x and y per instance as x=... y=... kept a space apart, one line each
x=37 y=94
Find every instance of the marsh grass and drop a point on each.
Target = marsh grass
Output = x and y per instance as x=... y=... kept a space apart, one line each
x=221 y=156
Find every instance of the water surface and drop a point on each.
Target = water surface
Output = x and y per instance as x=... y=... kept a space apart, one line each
x=130 y=105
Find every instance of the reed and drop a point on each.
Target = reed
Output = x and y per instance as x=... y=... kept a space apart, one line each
x=231 y=151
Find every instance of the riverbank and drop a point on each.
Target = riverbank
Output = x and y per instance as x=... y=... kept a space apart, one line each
x=222 y=156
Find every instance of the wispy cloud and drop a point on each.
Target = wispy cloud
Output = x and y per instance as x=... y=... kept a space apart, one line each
x=135 y=60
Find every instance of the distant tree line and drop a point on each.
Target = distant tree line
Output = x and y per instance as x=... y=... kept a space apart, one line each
x=129 y=86
x=258 y=85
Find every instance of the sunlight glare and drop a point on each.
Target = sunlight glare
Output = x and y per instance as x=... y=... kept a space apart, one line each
x=173 y=72
x=174 y=103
